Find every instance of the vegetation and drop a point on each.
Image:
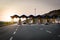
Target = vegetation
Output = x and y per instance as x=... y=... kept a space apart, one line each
x=54 y=12
x=5 y=23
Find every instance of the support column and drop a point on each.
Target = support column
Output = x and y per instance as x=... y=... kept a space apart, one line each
x=19 y=21
x=12 y=20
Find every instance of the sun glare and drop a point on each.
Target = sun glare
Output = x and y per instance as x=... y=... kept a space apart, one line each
x=16 y=19
x=7 y=16
x=7 y=13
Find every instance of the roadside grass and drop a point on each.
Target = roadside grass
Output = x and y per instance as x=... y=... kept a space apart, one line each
x=5 y=23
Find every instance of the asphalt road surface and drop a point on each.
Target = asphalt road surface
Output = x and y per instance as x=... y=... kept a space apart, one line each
x=30 y=32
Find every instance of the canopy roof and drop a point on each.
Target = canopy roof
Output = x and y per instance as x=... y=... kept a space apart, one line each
x=32 y=16
x=15 y=16
x=23 y=16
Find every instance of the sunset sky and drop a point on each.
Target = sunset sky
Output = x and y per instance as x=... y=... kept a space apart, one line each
x=11 y=7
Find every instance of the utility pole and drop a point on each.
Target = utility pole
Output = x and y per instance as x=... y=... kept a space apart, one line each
x=35 y=11
x=35 y=15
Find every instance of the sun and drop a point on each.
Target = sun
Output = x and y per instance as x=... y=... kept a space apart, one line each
x=7 y=16
x=7 y=13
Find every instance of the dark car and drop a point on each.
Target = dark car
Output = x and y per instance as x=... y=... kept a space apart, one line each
x=46 y=23
x=24 y=23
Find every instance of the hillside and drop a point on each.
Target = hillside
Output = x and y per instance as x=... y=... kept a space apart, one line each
x=54 y=12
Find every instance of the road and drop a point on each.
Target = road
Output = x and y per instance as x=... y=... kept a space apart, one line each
x=30 y=32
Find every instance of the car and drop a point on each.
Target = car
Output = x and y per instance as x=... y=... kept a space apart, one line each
x=24 y=23
x=46 y=23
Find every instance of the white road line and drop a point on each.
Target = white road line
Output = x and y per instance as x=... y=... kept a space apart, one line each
x=16 y=29
x=48 y=31
x=11 y=38
x=14 y=32
x=58 y=35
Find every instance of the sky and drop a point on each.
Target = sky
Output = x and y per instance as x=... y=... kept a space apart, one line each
x=20 y=7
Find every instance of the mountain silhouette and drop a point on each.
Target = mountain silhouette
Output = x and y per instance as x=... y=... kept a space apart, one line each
x=54 y=12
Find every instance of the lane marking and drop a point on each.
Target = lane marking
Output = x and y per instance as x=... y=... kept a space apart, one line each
x=58 y=35
x=14 y=32
x=48 y=31
x=11 y=38
x=16 y=29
